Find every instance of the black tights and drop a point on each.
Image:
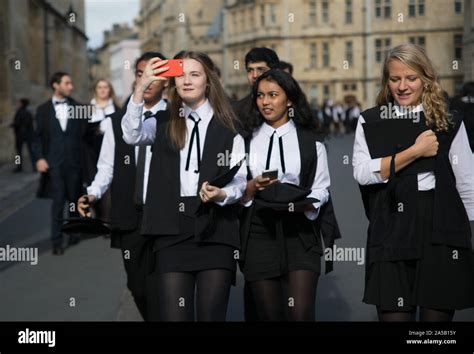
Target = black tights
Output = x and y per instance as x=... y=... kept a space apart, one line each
x=426 y=315
x=288 y=298
x=176 y=295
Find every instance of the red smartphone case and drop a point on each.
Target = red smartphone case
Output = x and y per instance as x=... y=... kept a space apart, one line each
x=175 y=68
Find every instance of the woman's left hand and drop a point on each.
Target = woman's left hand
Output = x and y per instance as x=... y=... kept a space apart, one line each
x=210 y=193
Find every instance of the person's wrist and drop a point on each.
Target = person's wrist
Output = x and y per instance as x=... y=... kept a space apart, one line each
x=253 y=188
x=139 y=90
x=414 y=151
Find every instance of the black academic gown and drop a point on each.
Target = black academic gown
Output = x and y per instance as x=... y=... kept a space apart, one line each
x=92 y=141
x=213 y=223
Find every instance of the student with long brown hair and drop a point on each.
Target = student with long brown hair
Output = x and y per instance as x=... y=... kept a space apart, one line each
x=194 y=223
x=418 y=198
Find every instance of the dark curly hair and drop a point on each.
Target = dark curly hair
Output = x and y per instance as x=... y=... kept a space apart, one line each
x=302 y=114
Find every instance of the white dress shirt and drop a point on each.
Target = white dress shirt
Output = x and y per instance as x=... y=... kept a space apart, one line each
x=137 y=133
x=61 y=110
x=367 y=170
x=100 y=113
x=105 y=164
x=291 y=152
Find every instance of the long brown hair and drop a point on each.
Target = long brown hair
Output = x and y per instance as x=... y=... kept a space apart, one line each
x=432 y=98
x=111 y=91
x=214 y=92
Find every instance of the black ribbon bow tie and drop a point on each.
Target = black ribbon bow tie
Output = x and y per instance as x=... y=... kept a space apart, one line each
x=60 y=102
x=269 y=153
x=194 y=133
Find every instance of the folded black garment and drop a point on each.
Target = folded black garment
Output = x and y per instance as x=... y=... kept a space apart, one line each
x=386 y=137
x=278 y=196
x=86 y=227
x=225 y=178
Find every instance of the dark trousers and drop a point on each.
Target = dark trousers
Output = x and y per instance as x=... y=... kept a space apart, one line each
x=65 y=186
x=19 y=141
x=136 y=253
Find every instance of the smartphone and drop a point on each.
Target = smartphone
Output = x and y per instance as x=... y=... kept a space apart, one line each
x=175 y=68
x=272 y=174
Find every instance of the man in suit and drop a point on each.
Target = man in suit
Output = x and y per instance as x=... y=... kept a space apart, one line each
x=57 y=153
x=23 y=129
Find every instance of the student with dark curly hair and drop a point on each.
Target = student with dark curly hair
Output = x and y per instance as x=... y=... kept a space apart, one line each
x=281 y=243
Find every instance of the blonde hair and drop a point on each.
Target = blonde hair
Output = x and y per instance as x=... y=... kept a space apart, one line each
x=432 y=97
x=111 y=90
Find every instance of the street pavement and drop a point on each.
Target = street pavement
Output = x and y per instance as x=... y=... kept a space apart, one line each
x=87 y=283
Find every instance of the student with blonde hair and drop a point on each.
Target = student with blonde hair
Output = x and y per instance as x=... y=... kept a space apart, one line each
x=418 y=194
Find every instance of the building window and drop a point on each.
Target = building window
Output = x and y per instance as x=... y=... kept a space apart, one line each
x=262 y=15
x=411 y=8
x=458 y=46
x=325 y=11
x=349 y=87
x=348 y=11
x=417 y=40
x=381 y=48
x=378 y=50
x=378 y=8
x=421 y=41
x=421 y=7
x=325 y=54
x=312 y=11
x=458 y=7
x=458 y=84
x=313 y=55
x=313 y=93
x=416 y=8
x=349 y=53
x=326 y=92
x=234 y=22
x=387 y=9
x=273 y=13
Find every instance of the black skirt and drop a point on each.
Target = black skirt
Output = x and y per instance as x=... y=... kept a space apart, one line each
x=185 y=253
x=443 y=277
x=192 y=256
x=269 y=256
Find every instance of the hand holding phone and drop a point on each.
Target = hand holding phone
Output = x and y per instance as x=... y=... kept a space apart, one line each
x=175 y=68
x=272 y=174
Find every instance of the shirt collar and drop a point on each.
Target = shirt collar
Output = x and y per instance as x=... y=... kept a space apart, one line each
x=160 y=106
x=204 y=111
x=55 y=99
x=468 y=99
x=110 y=102
x=280 y=131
